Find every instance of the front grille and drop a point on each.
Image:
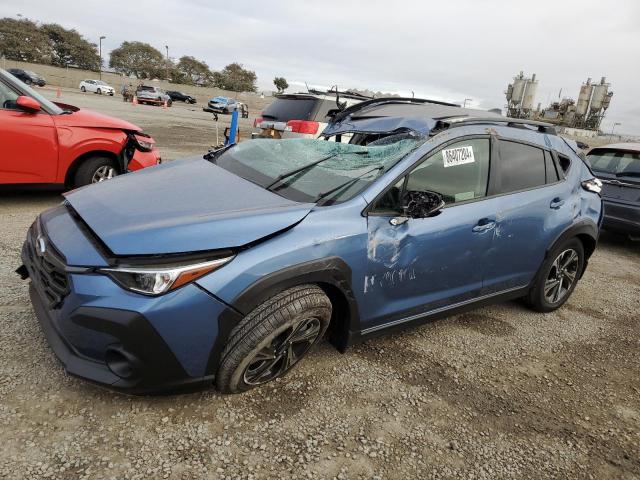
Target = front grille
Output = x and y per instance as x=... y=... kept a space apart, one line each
x=46 y=267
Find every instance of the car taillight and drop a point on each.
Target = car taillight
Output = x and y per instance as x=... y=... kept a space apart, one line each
x=257 y=122
x=592 y=185
x=302 y=126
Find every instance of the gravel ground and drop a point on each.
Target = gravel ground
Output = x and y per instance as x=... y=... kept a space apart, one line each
x=500 y=392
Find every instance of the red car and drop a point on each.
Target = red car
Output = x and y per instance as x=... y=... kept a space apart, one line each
x=42 y=142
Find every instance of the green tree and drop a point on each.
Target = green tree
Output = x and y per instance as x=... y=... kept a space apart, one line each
x=70 y=49
x=139 y=59
x=234 y=77
x=281 y=84
x=194 y=72
x=23 y=40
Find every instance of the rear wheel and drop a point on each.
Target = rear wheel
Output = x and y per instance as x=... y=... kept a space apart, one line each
x=269 y=341
x=558 y=276
x=99 y=92
x=95 y=170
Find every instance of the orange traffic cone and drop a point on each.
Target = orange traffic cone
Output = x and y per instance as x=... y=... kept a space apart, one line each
x=58 y=93
x=134 y=101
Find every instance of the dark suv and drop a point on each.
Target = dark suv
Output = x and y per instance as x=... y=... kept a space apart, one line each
x=618 y=166
x=27 y=76
x=228 y=268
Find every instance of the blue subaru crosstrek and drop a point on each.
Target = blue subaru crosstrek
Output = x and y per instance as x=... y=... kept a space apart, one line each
x=227 y=269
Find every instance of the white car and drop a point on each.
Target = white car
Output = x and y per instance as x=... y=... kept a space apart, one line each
x=96 y=86
x=302 y=115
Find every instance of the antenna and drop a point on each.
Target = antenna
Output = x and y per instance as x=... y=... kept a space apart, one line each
x=306 y=85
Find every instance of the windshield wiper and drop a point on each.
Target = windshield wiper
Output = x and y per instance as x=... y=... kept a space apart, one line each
x=347 y=184
x=66 y=112
x=288 y=174
x=628 y=174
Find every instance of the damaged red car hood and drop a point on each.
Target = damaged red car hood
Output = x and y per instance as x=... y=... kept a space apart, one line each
x=89 y=119
x=180 y=207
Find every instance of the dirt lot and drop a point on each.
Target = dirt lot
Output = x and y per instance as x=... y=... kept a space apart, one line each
x=498 y=393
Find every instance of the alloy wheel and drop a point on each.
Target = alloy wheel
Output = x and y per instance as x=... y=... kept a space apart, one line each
x=283 y=352
x=562 y=275
x=105 y=172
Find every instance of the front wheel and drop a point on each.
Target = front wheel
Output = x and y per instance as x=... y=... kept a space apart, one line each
x=95 y=170
x=99 y=92
x=269 y=341
x=83 y=89
x=558 y=276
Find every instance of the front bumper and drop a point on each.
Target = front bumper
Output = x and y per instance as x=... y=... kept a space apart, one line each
x=621 y=217
x=142 y=160
x=118 y=339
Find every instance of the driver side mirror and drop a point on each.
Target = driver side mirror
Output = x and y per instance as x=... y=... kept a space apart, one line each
x=416 y=204
x=27 y=104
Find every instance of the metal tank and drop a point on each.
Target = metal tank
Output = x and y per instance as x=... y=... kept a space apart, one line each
x=582 y=105
x=599 y=94
x=530 y=90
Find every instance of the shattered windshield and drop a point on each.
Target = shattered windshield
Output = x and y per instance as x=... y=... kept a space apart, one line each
x=308 y=170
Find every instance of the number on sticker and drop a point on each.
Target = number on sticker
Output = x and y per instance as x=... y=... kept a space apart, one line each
x=457 y=156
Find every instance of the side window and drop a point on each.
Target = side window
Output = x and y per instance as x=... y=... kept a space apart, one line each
x=550 y=167
x=458 y=172
x=521 y=167
x=8 y=97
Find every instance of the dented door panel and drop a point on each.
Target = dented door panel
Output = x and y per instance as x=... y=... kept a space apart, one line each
x=425 y=264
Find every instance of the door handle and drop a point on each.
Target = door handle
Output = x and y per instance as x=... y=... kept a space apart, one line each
x=556 y=203
x=484 y=224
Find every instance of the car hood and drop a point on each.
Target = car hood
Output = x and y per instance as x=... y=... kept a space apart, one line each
x=87 y=118
x=183 y=206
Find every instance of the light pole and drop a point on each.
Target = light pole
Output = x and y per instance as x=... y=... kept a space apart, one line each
x=612 y=128
x=102 y=37
x=167 y=75
x=464 y=104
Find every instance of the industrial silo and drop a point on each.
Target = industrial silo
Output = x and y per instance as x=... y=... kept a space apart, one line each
x=582 y=105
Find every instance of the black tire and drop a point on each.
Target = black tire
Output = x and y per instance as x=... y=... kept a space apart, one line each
x=89 y=168
x=28 y=81
x=99 y=92
x=83 y=89
x=169 y=102
x=543 y=292
x=273 y=326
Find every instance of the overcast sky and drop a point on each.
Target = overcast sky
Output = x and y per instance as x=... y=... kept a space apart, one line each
x=442 y=50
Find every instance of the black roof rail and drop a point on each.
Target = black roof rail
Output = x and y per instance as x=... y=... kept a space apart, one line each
x=386 y=100
x=543 y=127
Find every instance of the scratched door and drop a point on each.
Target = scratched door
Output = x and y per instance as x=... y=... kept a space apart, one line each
x=424 y=264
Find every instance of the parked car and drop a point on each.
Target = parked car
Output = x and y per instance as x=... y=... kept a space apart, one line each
x=181 y=96
x=148 y=94
x=96 y=86
x=221 y=105
x=27 y=76
x=618 y=166
x=228 y=268
x=301 y=115
x=53 y=143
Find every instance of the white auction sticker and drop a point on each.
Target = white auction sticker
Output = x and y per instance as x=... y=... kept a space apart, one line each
x=457 y=156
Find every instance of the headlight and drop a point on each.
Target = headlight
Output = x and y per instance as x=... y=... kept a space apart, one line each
x=144 y=142
x=156 y=281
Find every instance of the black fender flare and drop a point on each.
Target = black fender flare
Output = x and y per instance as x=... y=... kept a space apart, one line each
x=578 y=229
x=332 y=274
x=583 y=227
